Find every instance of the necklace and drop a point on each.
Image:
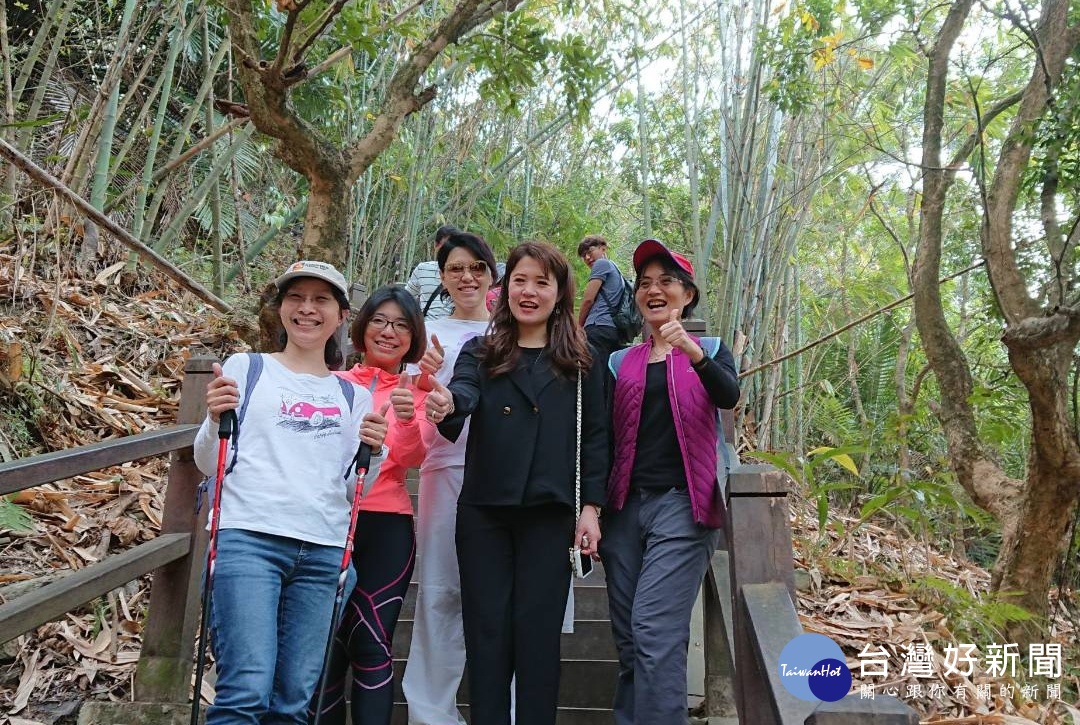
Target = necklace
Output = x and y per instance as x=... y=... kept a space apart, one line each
x=531 y=357
x=656 y=354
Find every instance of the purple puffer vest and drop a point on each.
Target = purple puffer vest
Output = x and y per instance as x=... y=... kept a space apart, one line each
x=695 y=427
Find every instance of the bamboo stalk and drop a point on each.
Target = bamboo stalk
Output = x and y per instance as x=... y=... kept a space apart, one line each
x=125 y=237
x=180 y=218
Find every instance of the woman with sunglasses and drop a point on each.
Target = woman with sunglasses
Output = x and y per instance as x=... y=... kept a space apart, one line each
x=664 y=510
x=388 y=332
x=437 y=653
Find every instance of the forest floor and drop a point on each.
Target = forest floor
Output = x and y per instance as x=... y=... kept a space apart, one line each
x=82 y=360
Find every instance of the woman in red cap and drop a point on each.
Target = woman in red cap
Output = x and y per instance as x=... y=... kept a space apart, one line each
x=661 y=524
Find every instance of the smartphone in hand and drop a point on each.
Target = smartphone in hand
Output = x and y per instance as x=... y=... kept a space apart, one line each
x=581 y=565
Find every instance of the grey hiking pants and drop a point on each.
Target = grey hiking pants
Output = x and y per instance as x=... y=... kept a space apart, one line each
x=655 y=557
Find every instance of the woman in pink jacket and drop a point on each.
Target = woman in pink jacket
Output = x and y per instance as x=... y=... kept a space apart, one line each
x=388 y=332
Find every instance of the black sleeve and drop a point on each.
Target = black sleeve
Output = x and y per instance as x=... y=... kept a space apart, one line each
x=718 y=375
x=595 y=459
x=465 y=388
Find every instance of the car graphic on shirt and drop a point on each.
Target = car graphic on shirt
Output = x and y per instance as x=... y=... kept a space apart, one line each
x=314 y=415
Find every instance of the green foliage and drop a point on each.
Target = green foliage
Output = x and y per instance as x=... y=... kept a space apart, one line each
x=974 y=617
x=804 y=470
x=13 y=517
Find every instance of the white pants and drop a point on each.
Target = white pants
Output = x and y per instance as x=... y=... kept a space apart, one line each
x=437 y=653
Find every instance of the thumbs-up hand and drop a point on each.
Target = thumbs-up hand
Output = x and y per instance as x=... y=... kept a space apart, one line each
x=440 y=402
x=675 y=334
x=402 y=399
x=373 y=428
x=430 y=363
x=221 y=394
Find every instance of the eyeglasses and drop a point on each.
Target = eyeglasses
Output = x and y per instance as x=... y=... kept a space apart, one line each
x=379 y=322
x=666 y=281
x=456 y=269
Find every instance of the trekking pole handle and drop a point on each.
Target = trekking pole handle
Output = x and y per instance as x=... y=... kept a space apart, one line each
x=226 y=424
x=363 y=457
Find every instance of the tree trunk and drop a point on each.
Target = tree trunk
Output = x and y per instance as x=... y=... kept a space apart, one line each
x=1052 y=489
x=1035 y=513
x=326 y=225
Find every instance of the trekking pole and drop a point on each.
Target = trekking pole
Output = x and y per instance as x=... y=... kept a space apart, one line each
x=361 y=463
x=227 y=425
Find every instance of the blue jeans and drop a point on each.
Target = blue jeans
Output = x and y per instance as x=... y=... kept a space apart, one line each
x=272 y=601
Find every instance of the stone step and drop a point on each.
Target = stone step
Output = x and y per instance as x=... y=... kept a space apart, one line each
x=590 y=601
x=588 y=684
x=591 y=639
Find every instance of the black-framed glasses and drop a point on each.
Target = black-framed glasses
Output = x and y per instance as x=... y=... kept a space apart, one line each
x=381 y=323
x=456 y=269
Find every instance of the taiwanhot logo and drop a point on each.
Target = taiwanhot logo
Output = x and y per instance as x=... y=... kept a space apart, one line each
x=812 y=667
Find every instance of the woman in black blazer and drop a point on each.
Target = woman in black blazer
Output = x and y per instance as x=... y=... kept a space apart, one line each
x=516 y=513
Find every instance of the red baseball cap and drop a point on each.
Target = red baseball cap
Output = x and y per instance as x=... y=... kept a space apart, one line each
x=651 y=248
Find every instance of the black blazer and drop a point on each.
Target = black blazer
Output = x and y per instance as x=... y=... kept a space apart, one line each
x=521 y=443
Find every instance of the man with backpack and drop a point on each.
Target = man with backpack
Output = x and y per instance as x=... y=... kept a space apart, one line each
x=608 y=313
x=425 y=284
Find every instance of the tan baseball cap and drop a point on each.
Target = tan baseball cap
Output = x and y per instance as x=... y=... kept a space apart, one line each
x=319 y=270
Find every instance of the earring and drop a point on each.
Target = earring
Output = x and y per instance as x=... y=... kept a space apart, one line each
x=557 y=310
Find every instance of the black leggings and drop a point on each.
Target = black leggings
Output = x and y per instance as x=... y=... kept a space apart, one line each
x=384 y=555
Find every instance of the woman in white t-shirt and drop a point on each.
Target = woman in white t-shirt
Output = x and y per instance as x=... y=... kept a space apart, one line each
x=284 y=503
x=437 y=652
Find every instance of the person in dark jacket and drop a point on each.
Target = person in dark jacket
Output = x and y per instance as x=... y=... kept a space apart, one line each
x=664 y=506
x=518 y=507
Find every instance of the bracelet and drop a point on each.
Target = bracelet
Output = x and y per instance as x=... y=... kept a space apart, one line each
x=700 y=364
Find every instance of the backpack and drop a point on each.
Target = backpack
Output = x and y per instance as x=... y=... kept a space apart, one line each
x=625 y=314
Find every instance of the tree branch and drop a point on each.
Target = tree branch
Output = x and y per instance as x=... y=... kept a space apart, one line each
x=312 y=33
x=401 y=98
x=1036 y=333
x=1006 y=278
x=286 y=38
x=335 y=57
x=300 y=145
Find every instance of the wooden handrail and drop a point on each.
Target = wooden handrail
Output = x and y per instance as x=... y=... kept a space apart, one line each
x=763 y=616
x=175 y=555
x=25 y=473
x=54 y=600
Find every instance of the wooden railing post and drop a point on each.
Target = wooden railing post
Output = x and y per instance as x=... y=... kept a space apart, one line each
x=720 y=700
x=164 y=671
x=760 y=550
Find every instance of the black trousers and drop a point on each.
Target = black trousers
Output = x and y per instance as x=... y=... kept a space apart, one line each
x=515 y=578
x=361 y=661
